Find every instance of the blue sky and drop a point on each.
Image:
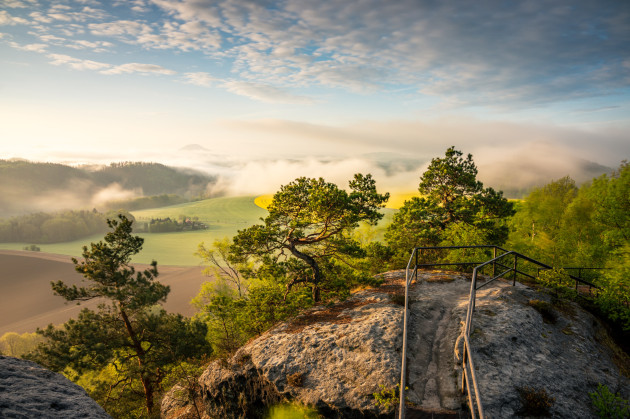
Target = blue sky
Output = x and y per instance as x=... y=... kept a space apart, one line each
x=88 y=80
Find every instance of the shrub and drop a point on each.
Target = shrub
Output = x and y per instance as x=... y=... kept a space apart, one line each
x=609 y=405
x=534 y=402
x=545 y=309
x=387 y=397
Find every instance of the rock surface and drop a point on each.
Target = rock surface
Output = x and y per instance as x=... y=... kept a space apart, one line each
x=335 y=358
x=330 y=358
x=30 y=391
x=566 y=355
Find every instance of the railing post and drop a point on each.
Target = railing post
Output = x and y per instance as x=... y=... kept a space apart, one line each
x=494 y=263
x=514 y=280
x=415 y=269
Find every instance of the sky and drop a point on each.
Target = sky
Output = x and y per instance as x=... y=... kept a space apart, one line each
x=270 y=90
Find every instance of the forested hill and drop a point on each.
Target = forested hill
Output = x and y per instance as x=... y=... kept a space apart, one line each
x=29 y=186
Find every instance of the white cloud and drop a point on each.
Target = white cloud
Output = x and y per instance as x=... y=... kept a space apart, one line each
x=7 y=19
x=200 y=79
x=265 y=93
x=30 y=47
x=76 y=63
x=120 y=28
x=96 y=46
x=138 y=68
x=13 y=4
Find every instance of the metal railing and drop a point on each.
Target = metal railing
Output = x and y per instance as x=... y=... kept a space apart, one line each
x=468 y=370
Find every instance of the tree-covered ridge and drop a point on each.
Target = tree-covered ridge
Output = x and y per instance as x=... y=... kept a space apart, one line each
x=46 y=187
x=154 y=179
x=52 y=227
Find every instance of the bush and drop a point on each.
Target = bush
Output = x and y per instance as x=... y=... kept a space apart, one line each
x=387 y=397
x=534 y=402
x=609 y=405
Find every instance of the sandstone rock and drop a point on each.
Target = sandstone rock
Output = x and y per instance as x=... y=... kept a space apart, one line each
x=330 y=358
x=28 y=390
x=334 y=358
x=515 y=347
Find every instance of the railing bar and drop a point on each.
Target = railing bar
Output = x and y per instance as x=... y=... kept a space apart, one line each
x=472 y=370
x=471 y=403
x=493 y=279
x=448 y=264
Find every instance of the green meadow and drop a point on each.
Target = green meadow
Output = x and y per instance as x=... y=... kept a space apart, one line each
x=223 y=216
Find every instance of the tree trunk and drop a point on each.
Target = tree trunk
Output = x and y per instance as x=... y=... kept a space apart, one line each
x=317 y=275
x=140 y=352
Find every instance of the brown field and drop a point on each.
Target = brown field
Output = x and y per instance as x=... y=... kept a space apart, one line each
x=27 y=301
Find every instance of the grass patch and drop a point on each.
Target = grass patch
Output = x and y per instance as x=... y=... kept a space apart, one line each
x=224 y=217
x=545 y=309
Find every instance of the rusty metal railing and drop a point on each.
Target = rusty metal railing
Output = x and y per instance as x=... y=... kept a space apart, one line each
x=409 y=276
x=468 y=370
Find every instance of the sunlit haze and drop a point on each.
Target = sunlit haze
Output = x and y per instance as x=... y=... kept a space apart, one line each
x=262 y=92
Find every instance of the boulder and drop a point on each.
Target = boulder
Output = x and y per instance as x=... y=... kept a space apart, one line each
x=28 y=390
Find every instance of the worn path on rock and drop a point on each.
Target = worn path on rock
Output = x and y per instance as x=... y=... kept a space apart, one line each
x=436 y=302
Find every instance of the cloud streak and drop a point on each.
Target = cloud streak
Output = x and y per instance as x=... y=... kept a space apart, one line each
x=466 y=54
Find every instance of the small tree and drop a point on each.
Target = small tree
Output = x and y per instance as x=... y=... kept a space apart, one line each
x=308 y=222
x=453 y=204
x=218 y=255
x=140 y=340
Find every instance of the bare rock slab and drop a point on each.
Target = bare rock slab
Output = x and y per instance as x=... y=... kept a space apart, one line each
x=331 y=358
x=28 y=390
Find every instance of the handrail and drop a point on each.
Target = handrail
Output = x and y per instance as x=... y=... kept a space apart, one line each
x=468 y=370
x=403 y=368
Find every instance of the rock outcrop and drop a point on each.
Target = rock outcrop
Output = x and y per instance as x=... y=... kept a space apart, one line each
x=521 y=340
x=335 y=358
x=29 y=391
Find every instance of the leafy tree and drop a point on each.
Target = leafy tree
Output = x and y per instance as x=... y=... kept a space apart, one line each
x=218 y=256
x=453 y=206
x=140 y=340
x=14 y=344
x=307 y=229
x=539 y=225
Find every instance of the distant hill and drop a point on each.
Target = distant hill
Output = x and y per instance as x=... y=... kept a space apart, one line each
x=31 y=186
x=154 y=178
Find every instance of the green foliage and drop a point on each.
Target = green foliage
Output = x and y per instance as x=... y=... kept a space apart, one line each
x=609 y=405
x=142 y=343
x=17 y=345
x=614 y=296
x=559 y=282
x=306 y=237
x=234 y=319
x=387 y=397
x=562 y=225
x=32 y=248
x=291 y=411
x=454 y=208
x=534 y=402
